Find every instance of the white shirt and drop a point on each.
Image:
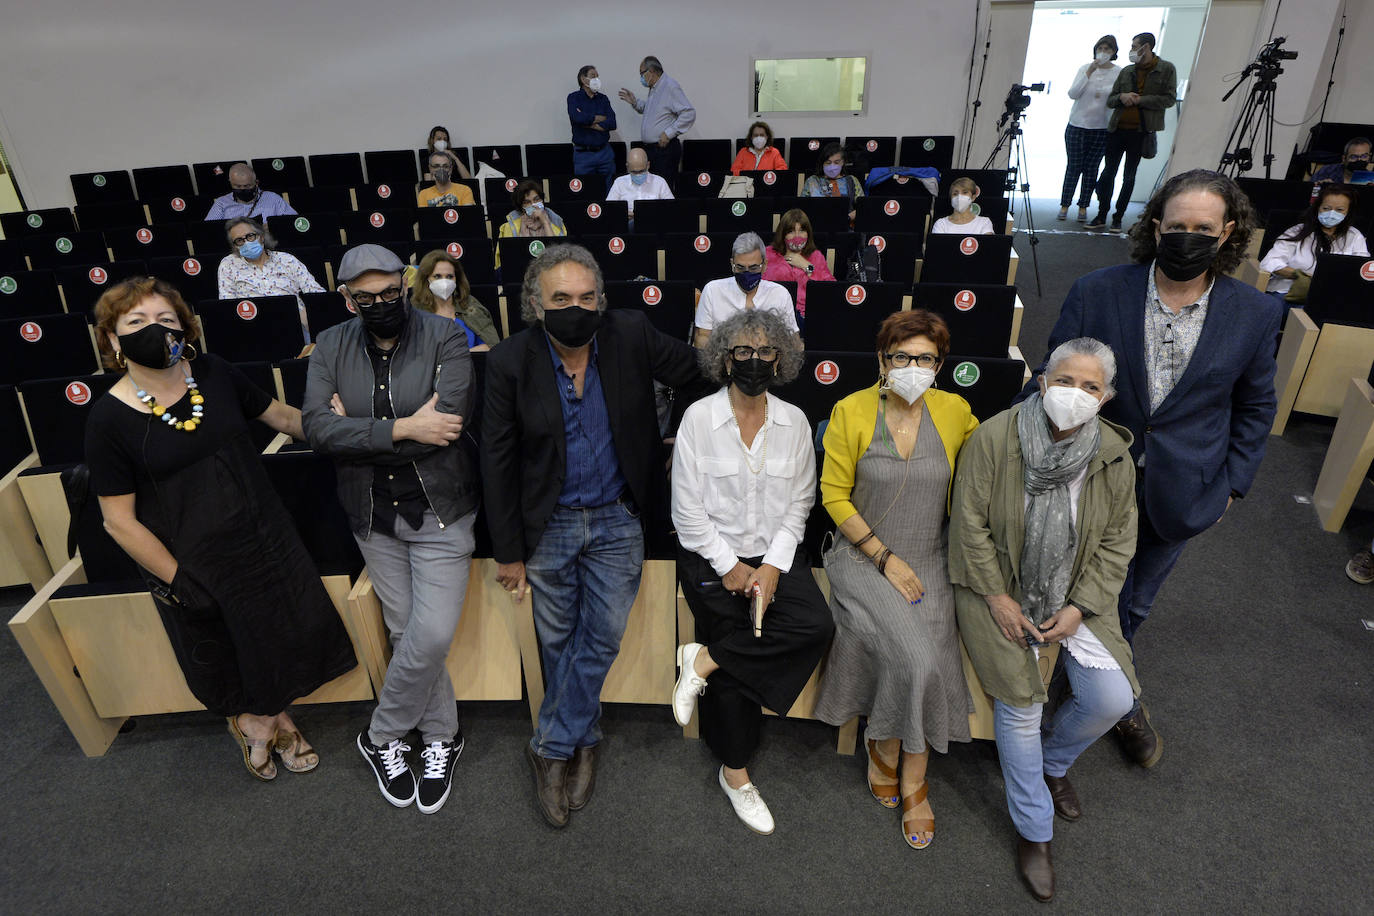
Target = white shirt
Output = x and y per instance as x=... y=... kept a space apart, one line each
x=722 y=298
x=653 y=188
x=980 y=225
x=1089 y=93
x=724 y=511
x=1303 y=256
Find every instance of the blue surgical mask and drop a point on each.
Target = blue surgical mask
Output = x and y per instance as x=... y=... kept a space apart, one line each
x=529 y=210
x=1331 y=218
x=644 y=80
x=639 y=177
x=251 y=251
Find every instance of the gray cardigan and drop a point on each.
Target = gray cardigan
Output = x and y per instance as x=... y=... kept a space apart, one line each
x=431 y=355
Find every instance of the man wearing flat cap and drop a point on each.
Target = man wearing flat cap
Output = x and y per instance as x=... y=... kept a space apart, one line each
x=386 y=398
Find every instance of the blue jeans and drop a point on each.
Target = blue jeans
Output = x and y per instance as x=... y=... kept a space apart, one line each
x=601 y=162
x=1100 y=698
x=583 y=576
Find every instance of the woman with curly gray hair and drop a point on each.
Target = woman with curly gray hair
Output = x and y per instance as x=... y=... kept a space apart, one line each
x=744 y=481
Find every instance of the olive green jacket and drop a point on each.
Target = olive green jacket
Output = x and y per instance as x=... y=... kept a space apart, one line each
x=1160 y=92
x=986 y=534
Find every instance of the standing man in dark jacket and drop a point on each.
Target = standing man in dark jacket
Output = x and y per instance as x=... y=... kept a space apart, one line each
x=386 y=398
x=592 y=120
x=1138 y=98
x=1195 y=384
x=570 y=447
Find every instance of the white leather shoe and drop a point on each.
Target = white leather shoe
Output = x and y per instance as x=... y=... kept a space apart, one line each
x=689 y=684
x=749 y=805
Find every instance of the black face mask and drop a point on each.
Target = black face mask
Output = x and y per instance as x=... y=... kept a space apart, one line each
x=384 y=320
x=246 y=195
x=573 y=326
x=442 y=175
x=1184 y=256
x=155 y=346
x=751 y=376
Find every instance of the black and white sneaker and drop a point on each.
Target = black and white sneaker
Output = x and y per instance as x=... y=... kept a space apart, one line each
x=440 y=757
x=393 y=773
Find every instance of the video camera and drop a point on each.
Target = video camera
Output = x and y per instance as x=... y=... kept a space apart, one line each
x=1018 y=101
x=1273 y=52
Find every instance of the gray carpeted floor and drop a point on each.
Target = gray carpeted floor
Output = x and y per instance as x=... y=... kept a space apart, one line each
x=1255 y=665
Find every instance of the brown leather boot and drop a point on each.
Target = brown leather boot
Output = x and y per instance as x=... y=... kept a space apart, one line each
x=550 y=788
x=1065 y=798
x=1138 y=739
x=1036 y=867
x=581 y=777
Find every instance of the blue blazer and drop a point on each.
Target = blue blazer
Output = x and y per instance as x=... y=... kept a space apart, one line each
x=1207 y=438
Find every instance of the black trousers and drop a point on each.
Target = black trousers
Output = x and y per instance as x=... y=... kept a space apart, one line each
x=665 y=161
x=1119 y=143
x=769 y=670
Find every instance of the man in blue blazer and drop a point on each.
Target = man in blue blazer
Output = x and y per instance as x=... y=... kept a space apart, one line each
x=1195 y=384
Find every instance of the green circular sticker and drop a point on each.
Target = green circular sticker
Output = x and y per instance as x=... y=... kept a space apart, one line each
x=34 y=221
x=98 y=181
x=7 y=285
x=64 y=245
x=278 y=165
x=738 y=208
x=536 y=248
x=975 y=210
x=929 y=144
x=302 y=224
x=966 y=374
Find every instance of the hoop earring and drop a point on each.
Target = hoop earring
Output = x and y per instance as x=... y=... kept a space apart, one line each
x=189 y=352
x=119 y=359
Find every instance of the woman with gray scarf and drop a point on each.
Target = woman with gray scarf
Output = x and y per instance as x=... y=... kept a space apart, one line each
x=1042 y=526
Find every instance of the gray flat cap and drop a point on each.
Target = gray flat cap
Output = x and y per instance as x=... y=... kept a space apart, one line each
x=359 y=260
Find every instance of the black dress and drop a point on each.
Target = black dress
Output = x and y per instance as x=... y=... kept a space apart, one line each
x=276 y=635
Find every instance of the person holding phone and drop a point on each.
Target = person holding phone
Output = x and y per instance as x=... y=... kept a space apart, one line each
x=744 y=481
x=1042 y=527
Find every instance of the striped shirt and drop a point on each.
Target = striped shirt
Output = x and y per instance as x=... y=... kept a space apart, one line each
x=267 y=204
x=1170 y=339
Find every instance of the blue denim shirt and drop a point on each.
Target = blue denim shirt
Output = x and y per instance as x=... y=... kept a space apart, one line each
x=593 y=476
x=582 y=112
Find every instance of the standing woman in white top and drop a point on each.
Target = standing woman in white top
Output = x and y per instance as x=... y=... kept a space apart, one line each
x=744 y=482
x=1326 y=228
x=1085 y=137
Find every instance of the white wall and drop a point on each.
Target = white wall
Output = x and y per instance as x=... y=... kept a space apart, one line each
x=1352 y=98
x=92 y=85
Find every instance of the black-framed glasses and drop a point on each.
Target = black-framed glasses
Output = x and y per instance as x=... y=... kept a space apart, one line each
x=744 y=351
x=367 y=300
x=902 y=360
x=245 y=239
x=746 y=268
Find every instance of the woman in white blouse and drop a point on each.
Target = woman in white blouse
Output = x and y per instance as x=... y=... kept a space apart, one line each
x=1326 y=228
x=744 y=482
x=254 y=268
x=1085 y=137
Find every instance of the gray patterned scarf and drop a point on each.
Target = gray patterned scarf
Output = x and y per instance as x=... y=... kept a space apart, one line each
x=1047 y=555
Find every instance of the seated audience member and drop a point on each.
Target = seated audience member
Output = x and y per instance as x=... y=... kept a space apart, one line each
x=439 y=142
x=441 y=287
x=530 y=217
x=832 y=179
x=794 y=256
x=1042 y=526
x=1354 y=159
x=592 y=119
x=1326 y=228
x=639 y=183
x=254 y=269
x=760 y=154
x=444 y=192
x=746 y=290
x=762 y=621
x=246 y=198
x=962 y=193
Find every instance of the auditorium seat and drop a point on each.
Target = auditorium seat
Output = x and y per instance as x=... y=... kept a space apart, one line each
x=212 y=178
x=549 y=159
x=22 y=559
x=697 y=258
x=610 y=217
x=994 y=208
x=966 y=259
x=657 y=217
x=324 y=310
x=707 y=155
x=277 y=172
x=624 y=257
x=505 y=158
x=133 y=243
x=34 y=348
x=516 y=254
x=988 y=383
x=1328 y=341
x=498 y=192
x=455 y=222
x=396 y=167
x=884 y=214
x=866 y=150
x=195 y=277
x=84 y=284
x=252 y=328
x=308 y=228
x=991 y=182
x=980 y=317
x=98 y=217
x=827 y=214
x=700 y=183
x=827 y=376
x=567 y=189
x=898 y=254
x=336 y=170
x=1348 y=455
x=208 y=237
x=12 y=255
x=669 y=305
x=51 y=251
x=393 y=196
x=845 y=316
x=736 y=215
x=770 y=183
x=175 y=209
x=27 y=293
x=164 y=181
x=102 y=187
x=936 y=152
x=475 y=254
x=806 y=151
x=320 y=199
x=37 y=222
x=379 y=226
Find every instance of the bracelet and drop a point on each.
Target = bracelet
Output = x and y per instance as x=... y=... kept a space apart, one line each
x=866 y=538
x=882 y=560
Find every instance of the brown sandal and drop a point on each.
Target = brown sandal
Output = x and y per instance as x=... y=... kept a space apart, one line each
x=296 y=755
x=911 y=826
x=266 y=772
x=885 y=792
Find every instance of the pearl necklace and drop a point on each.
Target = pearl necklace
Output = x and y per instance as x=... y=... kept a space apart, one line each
x=197 y=407
x=763 y=429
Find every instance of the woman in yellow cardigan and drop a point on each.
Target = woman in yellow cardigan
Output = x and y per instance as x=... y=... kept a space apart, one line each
x=889 y=459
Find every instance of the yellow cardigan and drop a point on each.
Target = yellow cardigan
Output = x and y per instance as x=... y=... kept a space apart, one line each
x=850 y=432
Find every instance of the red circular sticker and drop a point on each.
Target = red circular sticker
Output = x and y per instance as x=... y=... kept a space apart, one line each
x=652 y=295
x=30 y=331
x=594 y=211
x=191 y=267
x=78 y=393
x=510 y=184
x=814 y=145
x=704 y=179
x=383 y=191
x=246 y=310
x=965 y=300
x=855 y=295
x=871 y=146
x=377 y=220
x=575 y=185
x=1367 y=270
x=769 y=177
x=702 y=244
x=878 y=242
x=450 y=216
x=144 y=235
x=968 y=244
x=178 y=204
x=616 y=245
x=827 y=373
x=891 y=207
x=97 y=275
x=454 y=249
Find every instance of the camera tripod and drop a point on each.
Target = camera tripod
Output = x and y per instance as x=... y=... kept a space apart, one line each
x=1013 y=140
x=1257 y=113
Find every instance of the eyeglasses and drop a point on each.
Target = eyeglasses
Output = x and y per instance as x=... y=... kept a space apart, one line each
x=1357 y=157
x=245 y=239
x=367 y=300
x=767 y=354
x=902 y=360
x=743 y=268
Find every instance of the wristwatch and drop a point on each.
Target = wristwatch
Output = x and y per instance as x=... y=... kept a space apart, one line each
x=163 y=591
x=810 y=269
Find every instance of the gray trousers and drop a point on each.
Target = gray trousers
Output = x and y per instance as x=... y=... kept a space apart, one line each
x=421 y=579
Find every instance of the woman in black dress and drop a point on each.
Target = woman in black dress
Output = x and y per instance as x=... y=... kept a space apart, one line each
x=184 y=493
